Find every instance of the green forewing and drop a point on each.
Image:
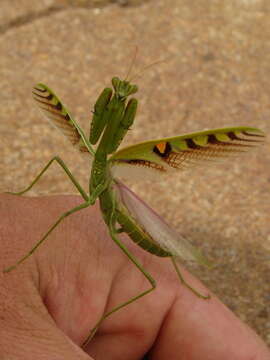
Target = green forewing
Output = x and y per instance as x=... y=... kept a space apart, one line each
x=185 y=151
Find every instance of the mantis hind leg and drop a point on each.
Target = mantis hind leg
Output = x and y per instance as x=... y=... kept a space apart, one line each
x=67 y=171
x=205 y=297
x=113 y=232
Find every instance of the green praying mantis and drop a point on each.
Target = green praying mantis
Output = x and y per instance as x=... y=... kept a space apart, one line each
x=122 y=210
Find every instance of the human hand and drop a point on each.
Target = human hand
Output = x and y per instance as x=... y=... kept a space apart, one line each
x=49 y=303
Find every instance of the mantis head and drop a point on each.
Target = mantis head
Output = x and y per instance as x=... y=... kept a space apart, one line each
x=123 y=88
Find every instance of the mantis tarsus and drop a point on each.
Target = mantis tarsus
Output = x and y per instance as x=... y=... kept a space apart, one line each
x=122 y=210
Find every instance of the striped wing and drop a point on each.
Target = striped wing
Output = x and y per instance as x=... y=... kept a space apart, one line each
x=57 y=113
x=183 y=152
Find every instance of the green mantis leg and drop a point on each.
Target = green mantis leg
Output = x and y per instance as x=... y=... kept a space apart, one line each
x=89 y=201
x=185 y=283
x=61 y=218
x=67 y=171
x=113 y=231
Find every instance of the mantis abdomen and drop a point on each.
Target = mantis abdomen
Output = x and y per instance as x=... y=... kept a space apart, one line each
x=128 y=224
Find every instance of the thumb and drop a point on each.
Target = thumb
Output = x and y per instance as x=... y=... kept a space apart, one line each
x=26 y=328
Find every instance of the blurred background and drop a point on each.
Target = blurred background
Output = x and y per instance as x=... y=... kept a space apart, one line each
x=215 y=73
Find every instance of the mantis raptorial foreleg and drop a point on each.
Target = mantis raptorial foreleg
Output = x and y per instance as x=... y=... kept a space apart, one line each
x=67 y=171
x=185 y=283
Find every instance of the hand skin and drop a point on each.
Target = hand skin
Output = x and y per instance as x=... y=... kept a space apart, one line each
x=51 y=301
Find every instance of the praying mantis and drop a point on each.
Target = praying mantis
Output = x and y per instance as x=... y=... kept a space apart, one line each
x=122 y=210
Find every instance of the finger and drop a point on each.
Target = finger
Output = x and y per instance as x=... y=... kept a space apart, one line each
x=205 y=329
